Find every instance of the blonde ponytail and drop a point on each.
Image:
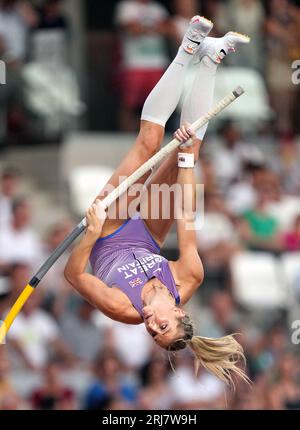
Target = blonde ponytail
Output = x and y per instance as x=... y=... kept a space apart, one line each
x=219 y=356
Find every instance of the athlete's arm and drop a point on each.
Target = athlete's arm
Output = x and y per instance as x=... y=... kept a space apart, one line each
x=110 y=301
x=188 y=268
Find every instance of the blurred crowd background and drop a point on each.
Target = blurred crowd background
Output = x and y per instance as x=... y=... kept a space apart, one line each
x=77 y=74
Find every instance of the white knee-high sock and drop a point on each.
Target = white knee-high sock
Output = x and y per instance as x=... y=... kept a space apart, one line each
x=200 y=97
x=165 y=96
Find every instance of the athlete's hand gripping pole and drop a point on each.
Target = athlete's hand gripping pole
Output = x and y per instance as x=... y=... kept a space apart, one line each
x=114 y=195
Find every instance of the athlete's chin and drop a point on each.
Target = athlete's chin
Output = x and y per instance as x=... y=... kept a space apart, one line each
x=162 y=344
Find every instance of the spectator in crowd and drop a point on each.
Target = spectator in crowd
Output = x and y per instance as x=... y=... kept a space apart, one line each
x=143 y=24
x=53 y=394
x=118 y=405
x=19 y=242
x=50 y=37
x=282 y=207
x=54 y=109
x=226 y=155
x=10 y=181
x=267 y=350
x=207 y=174
x=248 y=17
x=16 y=17
x=284 y=393
x=241 y=195
x=110 y=384
x=220 y=317
x=291 y=239
x=287 y=165
x=156 y=393
x=183 y=12
x=35 y=335
x=230 y=153
x=51 y=15
x=217 y=239
x=5 y=295
x=189 y=392
x=258 y=229
x=18 y=276
x=254 y=399
x=119 y=336
x=80 y=333
x=57 y=290
x=9 y=398
x=282 y=27
x=211 y=9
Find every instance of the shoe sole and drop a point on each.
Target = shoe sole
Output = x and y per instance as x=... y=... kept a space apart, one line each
x=246 y=38
x=207 y=26
x=207 y=23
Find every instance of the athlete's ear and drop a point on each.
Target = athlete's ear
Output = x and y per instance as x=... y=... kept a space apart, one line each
x=180 y=312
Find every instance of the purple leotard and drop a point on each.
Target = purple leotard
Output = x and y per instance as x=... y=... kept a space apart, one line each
x=129 y=257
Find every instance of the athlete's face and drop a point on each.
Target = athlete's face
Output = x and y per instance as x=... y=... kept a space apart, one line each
x=161 y=316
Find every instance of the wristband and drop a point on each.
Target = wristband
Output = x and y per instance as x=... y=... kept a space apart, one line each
x=186 y=160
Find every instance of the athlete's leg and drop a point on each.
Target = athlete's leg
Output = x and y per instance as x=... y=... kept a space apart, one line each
x=197 y=103
x=157 y=109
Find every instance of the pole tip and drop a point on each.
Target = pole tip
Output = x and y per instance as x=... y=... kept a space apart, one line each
x=238 y=91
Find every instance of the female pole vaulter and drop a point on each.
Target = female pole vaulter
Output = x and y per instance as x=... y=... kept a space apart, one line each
x=131 y=282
